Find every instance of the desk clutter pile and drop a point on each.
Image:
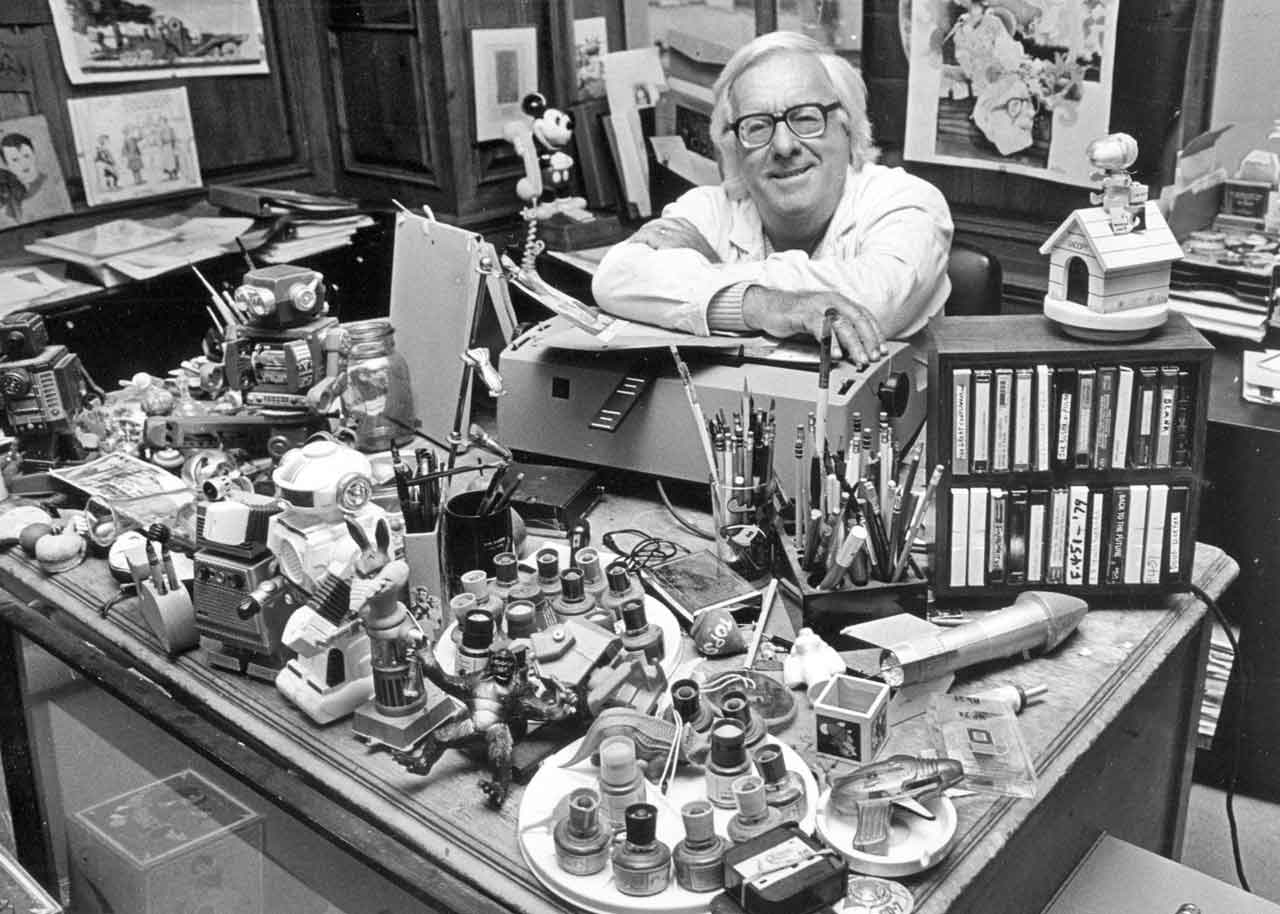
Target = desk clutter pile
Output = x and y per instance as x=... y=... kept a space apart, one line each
x=278 y=509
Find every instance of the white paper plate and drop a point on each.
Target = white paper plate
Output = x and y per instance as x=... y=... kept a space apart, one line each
x=915 y=844
x=597 y=893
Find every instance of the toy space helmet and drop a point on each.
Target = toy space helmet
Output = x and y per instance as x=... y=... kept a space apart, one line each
x=324 y=473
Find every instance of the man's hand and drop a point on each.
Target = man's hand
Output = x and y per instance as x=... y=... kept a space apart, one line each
x=784 y=314
x=673 y=232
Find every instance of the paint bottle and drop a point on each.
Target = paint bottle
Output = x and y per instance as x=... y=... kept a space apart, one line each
x=521 y=619
x=639 y=634
x=621 y=784
x=783 y=789
x=548 y=562
x=686 y=699
x=506 y=574
x=476 y=583
x=641 y=863
x=573 y=600
x=582 y=845
x=593 y=580
x=728 y=762
x=472 y=656
x=754 y=816
x=699 y=858
x=736 y=706
x=622 y=587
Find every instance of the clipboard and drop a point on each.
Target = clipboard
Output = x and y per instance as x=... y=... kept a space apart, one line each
x=440 y=277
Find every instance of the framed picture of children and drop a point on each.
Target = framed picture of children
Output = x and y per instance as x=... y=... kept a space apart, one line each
x=31 y=184
x=137 y=144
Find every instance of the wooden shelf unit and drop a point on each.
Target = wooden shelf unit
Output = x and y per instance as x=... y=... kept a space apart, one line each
x=994 y=349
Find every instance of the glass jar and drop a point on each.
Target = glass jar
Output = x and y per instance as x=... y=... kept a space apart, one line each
x=377 y=401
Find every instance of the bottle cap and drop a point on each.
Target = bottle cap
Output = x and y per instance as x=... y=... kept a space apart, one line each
x=520 y=619
x=633 y=617
x=584 y=806
x=686 y=698
x=727 y=744
x=476 y=582
x=477 y=630
x=506 y=567
x=699 y=822
x=617 y=761
x=749 y=792
x=548 y=565
x=462 y=604
x=589 y=561
x=771 y=765
x=642 y=823
x=619 y=580
x=571 y=589
x=735 y=705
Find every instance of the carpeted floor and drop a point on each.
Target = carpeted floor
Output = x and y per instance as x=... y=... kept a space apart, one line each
x=1206 y=845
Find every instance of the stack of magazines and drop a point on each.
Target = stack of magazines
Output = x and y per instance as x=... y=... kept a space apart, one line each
x=304 y=223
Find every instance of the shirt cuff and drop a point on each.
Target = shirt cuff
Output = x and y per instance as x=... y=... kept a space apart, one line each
x=724 y=311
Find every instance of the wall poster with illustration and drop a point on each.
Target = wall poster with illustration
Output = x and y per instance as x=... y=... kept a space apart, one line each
x=31 y=184
x=1020 y=86
x=134 y=145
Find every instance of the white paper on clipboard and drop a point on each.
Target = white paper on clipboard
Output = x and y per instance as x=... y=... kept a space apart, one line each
x=438 y=274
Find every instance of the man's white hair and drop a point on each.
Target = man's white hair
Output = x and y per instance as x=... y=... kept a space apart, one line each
x=847 y=82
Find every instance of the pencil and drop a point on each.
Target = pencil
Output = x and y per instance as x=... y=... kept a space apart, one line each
x=917 y=521
x=824 y=382
x=700 y=423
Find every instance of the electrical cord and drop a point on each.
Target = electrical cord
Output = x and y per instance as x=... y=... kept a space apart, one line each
x=679 y=518
x=647 y=552
x=1242 y=694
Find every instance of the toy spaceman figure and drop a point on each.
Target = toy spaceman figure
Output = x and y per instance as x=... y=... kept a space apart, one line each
x=500 y=704
x=327 y=486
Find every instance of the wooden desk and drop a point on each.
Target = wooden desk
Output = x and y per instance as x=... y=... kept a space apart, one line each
x=1240 y=512
x=1112 y=742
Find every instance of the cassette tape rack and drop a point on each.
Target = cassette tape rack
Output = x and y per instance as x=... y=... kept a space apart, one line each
x=1067 y=465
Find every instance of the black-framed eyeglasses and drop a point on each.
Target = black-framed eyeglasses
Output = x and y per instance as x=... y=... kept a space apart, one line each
x=807 y=121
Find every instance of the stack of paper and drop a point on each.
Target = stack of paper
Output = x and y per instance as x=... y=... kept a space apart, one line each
x=92 y=247
x=307 y=238
x=1217 y=673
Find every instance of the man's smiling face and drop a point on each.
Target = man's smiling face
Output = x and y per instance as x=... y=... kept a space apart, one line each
x=789 y=178
x=21 y=160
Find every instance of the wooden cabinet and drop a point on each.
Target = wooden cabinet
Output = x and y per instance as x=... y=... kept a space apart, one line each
x=1066 y=464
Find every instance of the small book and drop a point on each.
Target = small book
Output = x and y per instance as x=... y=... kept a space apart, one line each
x=1077 y=534
x=1002 y=425
x=1097 y=537
x=1175 y=523
x=996 y=523
x=1044 y=409
x=1123 y=412
x=959 y=570
x=1144 y=420
x=981 y=453
x=1082 y=452
x=1117 y=535
x=695 y=582
x=960 y=381
x=1153 y=550
x=1023 y=393
x=1035 y=535
x=1166 y=409
x=977 y=536
x=1055 y=564
x=1136 y=535
x=1104 y=417
x=1182 y=408
x=274 y=201
x=1064 y=393
x=1016 y=553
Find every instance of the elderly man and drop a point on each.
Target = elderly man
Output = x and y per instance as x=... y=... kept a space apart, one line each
x=804 y=222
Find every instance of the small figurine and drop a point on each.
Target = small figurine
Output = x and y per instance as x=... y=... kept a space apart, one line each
x=500 y=704
x=1122 y=198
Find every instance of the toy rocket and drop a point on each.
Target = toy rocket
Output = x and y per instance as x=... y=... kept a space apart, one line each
x=1036 y=620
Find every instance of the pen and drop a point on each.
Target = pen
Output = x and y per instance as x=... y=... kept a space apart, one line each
x=824 y=380
x=170 y=573
x=853 y=543
x=700 y=423
x=153 y=560
x=801 y=505
x=489 y=501
x=504 y=500
x=917 y=521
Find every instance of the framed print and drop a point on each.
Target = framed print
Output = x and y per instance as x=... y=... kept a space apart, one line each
x=31 y=185
x=137 y=144
x=504 y=63
x=119 y=42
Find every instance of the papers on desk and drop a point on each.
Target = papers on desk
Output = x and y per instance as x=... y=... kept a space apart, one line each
x=20 y=286
x=1221 y=317
x=307 y=238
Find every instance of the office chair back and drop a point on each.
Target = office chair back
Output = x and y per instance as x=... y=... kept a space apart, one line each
x=976 y=281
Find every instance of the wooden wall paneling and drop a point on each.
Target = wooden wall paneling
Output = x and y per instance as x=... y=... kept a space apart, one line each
x=25 y=12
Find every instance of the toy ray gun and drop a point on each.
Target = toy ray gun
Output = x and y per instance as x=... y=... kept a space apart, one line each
x=873 y=789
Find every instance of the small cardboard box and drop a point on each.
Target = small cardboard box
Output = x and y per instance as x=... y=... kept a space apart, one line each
x=851 y=716
x=174 y=845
